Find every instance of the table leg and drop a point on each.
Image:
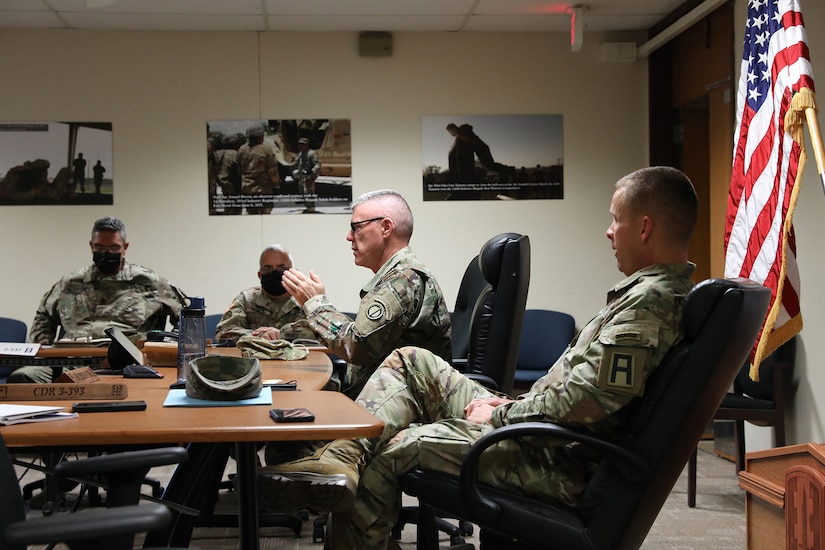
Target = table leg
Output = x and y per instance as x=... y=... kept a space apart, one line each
x=192 y=486
x=246 y=457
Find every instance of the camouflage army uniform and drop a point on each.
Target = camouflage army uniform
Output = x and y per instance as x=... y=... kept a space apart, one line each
x=401 y=306
x=85 y=303
x=305 y=169
x=259 y=169
x=252 y=309
x=626 y=340
x=259 y=173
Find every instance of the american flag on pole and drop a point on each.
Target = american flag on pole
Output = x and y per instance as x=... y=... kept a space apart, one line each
x=775 y=87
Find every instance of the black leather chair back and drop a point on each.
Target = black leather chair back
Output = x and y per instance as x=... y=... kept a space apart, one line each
x=498 y=314
x=764 y=388
x=472 y=285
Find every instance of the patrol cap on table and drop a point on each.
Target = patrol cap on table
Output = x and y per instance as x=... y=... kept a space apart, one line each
x=224 y=378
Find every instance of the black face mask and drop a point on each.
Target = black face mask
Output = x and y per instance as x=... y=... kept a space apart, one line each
x=106 y=262
x=271 y=283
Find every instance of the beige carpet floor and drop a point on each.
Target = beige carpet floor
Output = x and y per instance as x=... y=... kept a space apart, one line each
x=716 y=523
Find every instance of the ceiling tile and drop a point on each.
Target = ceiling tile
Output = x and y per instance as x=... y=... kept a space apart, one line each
x=170 y=22
x=364 y=23
x=369 y=7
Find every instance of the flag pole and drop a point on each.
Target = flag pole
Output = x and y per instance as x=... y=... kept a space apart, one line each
x=816 y=141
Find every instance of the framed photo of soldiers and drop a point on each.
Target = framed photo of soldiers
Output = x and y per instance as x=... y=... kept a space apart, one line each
x=56 y=163
x=279 y=166
x=492 y=157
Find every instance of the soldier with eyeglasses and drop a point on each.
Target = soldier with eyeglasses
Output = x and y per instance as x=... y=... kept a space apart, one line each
x=111 y=292
x=401 y=305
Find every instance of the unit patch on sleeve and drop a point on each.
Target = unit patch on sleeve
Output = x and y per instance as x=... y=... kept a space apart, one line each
x=375 y=311
x=622 y=369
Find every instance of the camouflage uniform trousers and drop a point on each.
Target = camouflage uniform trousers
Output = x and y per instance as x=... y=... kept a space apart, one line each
x=421 y=399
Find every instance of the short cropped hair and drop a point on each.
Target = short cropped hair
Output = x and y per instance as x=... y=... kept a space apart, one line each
x=275 y=248
x=109 y=224
x=395 y=206
x=666 y=195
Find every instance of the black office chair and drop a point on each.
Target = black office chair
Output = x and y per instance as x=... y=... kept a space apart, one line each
x=112 y=528
x=498 y=312
x=494 y=332
x=761 y=403
x=640 y=466
x=472 y=285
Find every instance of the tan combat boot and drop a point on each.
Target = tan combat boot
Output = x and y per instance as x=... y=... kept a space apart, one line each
x=324 y=482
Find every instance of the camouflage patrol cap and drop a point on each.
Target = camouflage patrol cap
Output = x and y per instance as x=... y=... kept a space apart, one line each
x=304 y=140
x=255 y=346
x=223 y=378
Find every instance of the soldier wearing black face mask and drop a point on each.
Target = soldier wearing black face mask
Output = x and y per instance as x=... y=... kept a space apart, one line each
x=107 y=262
x=271 y=282
x=266 y=310
x=111 y=292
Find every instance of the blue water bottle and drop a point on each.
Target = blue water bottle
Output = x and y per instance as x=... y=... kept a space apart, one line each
x=191 y=334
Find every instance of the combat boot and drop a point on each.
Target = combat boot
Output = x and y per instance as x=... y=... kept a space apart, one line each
x=324 y=482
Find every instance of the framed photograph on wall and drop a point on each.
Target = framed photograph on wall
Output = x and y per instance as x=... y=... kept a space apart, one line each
x=56 y=163
x=492 y=157
x=279 y=166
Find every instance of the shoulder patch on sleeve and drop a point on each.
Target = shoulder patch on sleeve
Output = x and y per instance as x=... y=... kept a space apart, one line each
x=375 y=311
x=622 y=369
x=383 y=309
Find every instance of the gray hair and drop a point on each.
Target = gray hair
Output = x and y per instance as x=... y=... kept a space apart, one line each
x=396 y=207
x=275 y=248
x=109 y=224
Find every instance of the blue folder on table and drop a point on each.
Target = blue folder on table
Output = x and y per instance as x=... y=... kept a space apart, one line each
x=178 y=398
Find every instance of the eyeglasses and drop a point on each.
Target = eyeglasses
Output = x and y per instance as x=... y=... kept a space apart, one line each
x=355 y=226
x=114 y=249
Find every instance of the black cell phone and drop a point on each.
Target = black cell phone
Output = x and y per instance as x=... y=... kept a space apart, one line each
x=109 y=406
x=299 y=414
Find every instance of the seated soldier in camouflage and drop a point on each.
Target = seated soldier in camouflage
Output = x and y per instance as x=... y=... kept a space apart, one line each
x=266 y=310
x=432 y=414
x=109 y=293
x=402 y=305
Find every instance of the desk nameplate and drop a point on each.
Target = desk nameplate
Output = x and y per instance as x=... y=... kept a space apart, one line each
x=63 y=392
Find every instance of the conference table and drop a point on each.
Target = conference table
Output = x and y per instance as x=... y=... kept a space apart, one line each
x=205 y=429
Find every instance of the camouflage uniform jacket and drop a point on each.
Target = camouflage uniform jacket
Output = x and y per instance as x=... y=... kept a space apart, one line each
x=607 y=363
x=85 y=302
x=252 y=309
x=306 y=165
x=259 y=169
x=401 y=306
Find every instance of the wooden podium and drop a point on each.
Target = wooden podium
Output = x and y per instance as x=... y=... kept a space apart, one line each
x=785 y=497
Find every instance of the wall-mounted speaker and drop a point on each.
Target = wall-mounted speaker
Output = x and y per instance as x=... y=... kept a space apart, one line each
x=375 y=44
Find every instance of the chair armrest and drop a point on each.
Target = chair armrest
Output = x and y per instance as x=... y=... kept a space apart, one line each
x=93 y=524
x=629 y=465
x=339 y=367
x=460 y=364
x=121 y=462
